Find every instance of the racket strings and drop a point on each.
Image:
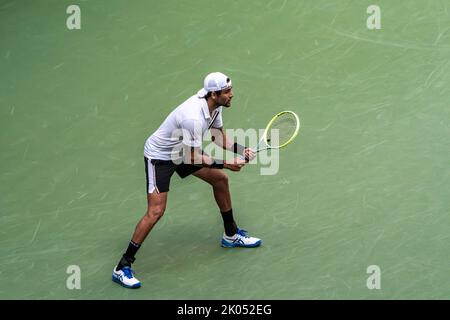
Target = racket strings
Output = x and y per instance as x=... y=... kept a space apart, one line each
x=281 y=130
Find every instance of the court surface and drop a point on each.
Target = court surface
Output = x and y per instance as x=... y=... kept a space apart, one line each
x=366 y=182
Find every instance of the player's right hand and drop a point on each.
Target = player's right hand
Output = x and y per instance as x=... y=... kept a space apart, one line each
x=235 y=165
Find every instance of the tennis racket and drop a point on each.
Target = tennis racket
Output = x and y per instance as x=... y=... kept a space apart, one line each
x=287 y=124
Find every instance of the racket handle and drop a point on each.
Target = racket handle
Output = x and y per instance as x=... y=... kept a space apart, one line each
x=246 y=158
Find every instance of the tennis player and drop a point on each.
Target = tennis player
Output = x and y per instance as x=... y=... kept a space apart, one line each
x=176 y=147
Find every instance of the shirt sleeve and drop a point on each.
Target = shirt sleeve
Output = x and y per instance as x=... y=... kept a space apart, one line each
x=192 y=132
x=218 y=122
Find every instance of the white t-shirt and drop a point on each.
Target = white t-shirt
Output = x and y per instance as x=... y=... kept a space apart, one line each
x=185 y=125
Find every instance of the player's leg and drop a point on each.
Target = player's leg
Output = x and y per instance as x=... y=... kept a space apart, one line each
x=219 y=182
x=233 y=236
x=156 y=206
x=158 y=176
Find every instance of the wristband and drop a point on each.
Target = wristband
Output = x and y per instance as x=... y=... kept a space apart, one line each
x=239 y=149
x=217 y=164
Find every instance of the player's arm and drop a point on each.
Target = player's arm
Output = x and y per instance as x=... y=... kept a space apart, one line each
x=193 y=153
x=200 y=158
x=222 y=140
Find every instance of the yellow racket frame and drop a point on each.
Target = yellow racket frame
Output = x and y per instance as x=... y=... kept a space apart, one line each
x=297 y=129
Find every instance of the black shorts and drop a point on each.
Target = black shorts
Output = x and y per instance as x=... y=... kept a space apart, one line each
x=159 y=172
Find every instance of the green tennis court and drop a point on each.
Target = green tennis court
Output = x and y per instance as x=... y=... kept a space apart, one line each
x=366 y=182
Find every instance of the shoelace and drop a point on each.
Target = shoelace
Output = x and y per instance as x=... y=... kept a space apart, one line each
x=243 y=233
x=128 y=273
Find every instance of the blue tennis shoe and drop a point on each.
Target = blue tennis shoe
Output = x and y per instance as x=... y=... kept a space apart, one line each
x=240 y=239
x=125 y=278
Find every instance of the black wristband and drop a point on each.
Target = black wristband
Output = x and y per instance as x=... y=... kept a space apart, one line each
x=217 y=164
x=239 y=149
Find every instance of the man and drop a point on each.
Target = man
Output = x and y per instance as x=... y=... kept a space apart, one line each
x=176 y=147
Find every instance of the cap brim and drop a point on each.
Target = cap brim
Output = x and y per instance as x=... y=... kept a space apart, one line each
x=202 y=93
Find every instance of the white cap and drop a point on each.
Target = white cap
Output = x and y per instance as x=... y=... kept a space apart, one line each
x=215 y=81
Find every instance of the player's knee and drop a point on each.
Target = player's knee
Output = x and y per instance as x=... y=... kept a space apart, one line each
x=156 y=212
x=221 y=180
